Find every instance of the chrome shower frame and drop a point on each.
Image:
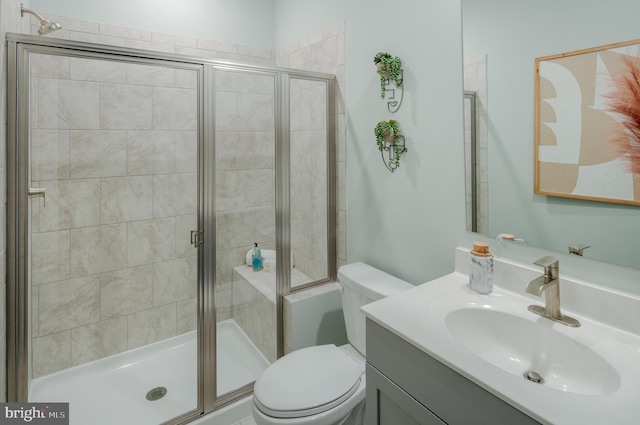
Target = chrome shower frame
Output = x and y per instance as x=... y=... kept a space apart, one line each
x=19 y=48
x=470 y=96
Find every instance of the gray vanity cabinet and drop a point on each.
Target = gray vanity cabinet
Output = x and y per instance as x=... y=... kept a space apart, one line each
x=393 y=406
x=406 y=386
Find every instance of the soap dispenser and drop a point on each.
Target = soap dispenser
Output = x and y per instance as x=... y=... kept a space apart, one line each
x=256 y=258
x=481 y=270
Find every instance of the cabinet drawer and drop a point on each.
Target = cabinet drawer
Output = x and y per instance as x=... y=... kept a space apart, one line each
x=449 y=395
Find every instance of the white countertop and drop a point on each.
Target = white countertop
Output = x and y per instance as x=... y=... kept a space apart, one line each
x=605 y=315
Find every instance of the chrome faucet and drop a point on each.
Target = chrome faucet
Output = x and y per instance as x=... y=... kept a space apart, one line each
x=549 y=282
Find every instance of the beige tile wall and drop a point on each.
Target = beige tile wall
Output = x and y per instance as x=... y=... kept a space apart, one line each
x=254 y=308
x=245 y=185
x=116 y=152
x=94 y=32
x=322 y=51
x=309 y=177
x=254 y=311
x=122 y=195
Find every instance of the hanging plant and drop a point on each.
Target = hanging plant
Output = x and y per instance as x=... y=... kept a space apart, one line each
x=389 y=68
x=388 y=132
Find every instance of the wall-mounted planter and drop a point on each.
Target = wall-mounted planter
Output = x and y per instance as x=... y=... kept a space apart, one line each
x=390 y=143
x=390 y=70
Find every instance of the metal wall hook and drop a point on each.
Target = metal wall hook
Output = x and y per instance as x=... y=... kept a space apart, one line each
x=393 y=149
x=393 y=104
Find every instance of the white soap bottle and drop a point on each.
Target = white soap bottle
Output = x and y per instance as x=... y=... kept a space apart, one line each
x=481 y=268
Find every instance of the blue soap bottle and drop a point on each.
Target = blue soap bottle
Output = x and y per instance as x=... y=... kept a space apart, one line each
x=256 y=258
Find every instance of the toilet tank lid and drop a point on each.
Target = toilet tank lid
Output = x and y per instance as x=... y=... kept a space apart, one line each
x=372 y=282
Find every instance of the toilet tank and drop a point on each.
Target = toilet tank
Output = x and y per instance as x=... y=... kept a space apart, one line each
x=361 y=285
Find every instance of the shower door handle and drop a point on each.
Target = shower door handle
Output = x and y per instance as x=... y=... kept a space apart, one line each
x=38 y=192
x=195 y=238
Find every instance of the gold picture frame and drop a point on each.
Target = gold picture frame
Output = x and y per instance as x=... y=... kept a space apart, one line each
x=587 y=124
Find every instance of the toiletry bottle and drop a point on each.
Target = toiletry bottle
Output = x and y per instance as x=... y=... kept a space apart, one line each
x=481 y=270
x=502 y=240
x=256 y=258
x=506 y=237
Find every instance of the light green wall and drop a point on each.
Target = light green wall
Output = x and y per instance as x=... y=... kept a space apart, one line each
x=246 y=22
x=512 y=35
x=409 y=222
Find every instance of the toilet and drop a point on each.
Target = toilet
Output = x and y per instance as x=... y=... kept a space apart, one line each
x=325 y=385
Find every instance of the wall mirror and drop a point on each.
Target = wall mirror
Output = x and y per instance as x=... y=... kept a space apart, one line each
x=510 y=36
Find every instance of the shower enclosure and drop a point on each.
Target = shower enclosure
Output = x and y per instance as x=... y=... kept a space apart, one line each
x=137 y=183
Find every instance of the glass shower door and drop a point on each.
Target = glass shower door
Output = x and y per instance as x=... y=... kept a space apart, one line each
x=245 y=214
x=113 y=175
x=310 y=181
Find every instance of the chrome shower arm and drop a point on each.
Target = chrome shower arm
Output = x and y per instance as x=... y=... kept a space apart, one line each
x=43 y=21
x=46 y=26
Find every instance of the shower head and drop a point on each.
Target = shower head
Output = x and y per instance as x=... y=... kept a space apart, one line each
x=46 y=26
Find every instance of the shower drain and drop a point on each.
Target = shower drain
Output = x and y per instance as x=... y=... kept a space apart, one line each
x=156 y=393
x=534 y=377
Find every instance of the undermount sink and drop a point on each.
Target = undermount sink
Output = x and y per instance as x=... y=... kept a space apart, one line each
x=522 y=345
x=591 y=360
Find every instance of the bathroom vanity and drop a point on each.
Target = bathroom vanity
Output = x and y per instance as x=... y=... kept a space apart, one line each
x=407 y=386
x=441 y=353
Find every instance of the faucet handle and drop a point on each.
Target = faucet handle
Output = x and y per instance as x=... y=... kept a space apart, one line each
x=578 y=248
x=547 y=261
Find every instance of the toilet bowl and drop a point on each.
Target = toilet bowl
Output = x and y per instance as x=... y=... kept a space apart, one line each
x=325 y=385
x=319 y=385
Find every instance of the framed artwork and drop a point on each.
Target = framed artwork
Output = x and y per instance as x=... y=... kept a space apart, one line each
x=587 y=124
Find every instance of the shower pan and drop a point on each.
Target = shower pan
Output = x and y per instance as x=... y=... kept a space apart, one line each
x=137 y=181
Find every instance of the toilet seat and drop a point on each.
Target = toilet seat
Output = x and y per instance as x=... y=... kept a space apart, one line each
x=307 y=382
